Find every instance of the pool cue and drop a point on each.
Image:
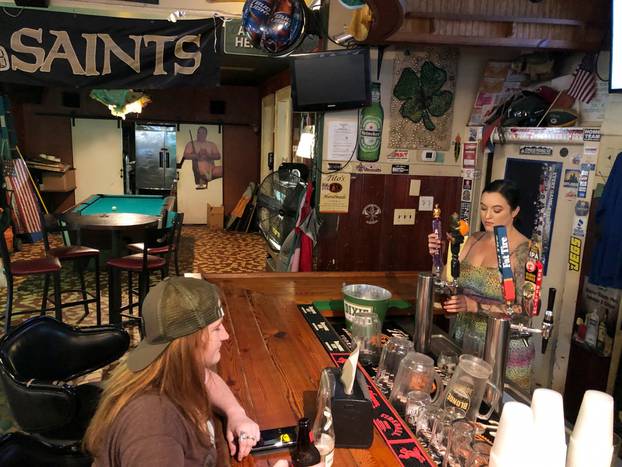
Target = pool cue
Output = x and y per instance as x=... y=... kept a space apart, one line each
x=34 y=185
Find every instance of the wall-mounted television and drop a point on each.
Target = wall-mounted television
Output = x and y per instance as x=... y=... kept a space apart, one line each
x=615 y=66
x=333 y=80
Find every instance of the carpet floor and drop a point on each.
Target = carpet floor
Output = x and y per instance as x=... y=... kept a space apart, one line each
x=201 y=250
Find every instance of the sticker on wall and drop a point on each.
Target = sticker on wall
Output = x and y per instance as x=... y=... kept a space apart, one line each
x=584 y=179
x=591 y=134
x=333 y=166
x=465 y=210
x=576 y=160
x=582 y=208
x=400 y=169
x=372 y=213
x=563 y=152
x=466 y=195
x=574 y=254
x=571 y=178
x=475 y=133
x=467 y=184
x=399 y=155
x=536 y=150
x=426 y=203
x=469 y=154
x=369 y=168
x=580 y=223
x=468 y=174
x=570 y=194
x=588 y=167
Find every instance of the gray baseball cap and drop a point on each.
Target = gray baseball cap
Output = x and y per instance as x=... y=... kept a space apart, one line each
x=176 y=307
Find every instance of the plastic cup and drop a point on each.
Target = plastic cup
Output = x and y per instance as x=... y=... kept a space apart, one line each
x=393 y=352
x=591 y=442
x=515 y=426
x=549 y=432
x=367 y=333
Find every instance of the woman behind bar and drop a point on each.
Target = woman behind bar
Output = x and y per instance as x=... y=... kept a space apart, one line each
x=156 y=408
x=479 y=277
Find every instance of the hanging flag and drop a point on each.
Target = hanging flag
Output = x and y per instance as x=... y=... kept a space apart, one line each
x=583 y=86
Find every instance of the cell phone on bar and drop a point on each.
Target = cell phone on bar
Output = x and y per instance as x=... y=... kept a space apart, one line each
x=275 y=439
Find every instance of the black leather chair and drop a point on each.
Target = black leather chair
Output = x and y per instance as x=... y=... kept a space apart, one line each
x=21 y=450
x=37 y=361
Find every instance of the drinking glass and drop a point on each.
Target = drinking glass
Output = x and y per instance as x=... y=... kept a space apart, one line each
x=425 y=421
x=479 y=455
x=442 y=428
x=472 y=342
x=415 y=401
x=459 y=445
x=393 y=352
x=416 y=373
x=367 y=333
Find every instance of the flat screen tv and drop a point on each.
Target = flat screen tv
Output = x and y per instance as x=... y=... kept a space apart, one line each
x=333 y=80
x=615 y=67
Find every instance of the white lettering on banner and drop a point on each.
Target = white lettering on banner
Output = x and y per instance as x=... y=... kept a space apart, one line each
x=505 y=252
x=36 y=59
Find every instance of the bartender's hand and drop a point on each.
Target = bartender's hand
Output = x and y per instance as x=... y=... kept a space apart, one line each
x=434 y=244
x=245 y=431
x=459 y=304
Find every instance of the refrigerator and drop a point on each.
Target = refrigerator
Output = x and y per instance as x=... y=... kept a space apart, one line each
x=155 y=149
x=555 y=170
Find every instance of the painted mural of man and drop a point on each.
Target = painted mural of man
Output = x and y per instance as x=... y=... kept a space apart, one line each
x=203 y=153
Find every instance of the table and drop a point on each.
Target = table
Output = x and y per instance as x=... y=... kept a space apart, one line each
x=132 y=212
x=273 y=361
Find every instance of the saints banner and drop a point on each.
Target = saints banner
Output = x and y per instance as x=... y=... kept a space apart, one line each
x=82 y=51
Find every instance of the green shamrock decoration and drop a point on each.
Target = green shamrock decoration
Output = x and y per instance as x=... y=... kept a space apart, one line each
x=422 y=94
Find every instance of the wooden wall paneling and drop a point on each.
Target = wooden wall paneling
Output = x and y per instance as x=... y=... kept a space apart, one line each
x=240 y=147
x=363 y=248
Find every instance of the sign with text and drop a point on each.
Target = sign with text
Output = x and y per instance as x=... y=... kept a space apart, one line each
x=236 y=42
x=46 y=48
x=335 y=193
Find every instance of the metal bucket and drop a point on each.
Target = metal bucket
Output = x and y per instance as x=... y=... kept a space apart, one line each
x=364 y=297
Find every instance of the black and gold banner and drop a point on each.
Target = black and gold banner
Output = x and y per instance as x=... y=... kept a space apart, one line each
x=83 y=51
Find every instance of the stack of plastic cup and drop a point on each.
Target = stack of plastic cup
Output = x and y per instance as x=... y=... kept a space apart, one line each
x=549 y=434
x=513 y=446
x=591 y=442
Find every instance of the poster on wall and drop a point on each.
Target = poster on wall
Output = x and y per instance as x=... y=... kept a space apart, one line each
x=538 y=199
x=199 y=156
x=423 y=92
x=335 y=193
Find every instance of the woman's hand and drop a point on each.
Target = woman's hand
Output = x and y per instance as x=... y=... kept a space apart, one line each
x=434 y=244
x=459 y=304
x=245 y=430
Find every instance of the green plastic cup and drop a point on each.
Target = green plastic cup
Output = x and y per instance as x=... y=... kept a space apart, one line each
x=363 y=297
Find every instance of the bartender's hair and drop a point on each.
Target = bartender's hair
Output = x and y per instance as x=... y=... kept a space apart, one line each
x=506 y=188
x=177 y=374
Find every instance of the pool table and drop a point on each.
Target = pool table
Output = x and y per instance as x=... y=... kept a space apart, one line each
x=118 y=213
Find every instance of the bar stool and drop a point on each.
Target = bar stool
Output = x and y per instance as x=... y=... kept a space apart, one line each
x=80 y=256
x=141 y=263
x=47 y=265
x=162 y=250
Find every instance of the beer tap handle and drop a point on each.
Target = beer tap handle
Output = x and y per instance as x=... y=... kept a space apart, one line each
x=547 y=323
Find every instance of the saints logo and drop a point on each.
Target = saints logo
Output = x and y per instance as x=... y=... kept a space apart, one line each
x=4 y=59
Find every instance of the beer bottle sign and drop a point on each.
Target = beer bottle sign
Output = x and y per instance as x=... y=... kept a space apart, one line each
x=370 y=128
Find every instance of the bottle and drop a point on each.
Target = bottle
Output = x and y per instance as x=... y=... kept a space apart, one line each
x=324 y=435
x=305 y=454
x=370 y=130
x=437 y=261
x=602 y=335
x=591 y=335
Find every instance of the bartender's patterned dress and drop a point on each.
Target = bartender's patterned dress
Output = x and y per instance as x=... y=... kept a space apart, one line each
x=482 y=284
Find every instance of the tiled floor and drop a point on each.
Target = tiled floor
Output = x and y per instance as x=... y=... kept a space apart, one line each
x=202 y=250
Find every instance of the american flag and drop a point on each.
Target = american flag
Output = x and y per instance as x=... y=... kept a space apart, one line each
x=583 y=87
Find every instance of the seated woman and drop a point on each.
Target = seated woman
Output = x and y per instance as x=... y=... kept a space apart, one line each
x=480 y=280
x=156 y=408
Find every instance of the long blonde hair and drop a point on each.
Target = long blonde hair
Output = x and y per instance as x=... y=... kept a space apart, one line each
x=178 y=374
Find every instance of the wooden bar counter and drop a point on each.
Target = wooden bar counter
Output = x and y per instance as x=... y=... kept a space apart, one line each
x=273 y=361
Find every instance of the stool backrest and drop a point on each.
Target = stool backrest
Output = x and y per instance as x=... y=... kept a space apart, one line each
x=6 y=256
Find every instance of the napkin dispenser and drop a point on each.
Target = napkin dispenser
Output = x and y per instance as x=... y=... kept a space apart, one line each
x=352 y=413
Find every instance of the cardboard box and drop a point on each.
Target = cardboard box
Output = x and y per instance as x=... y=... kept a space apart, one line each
x=215 y=216
x=56 y=181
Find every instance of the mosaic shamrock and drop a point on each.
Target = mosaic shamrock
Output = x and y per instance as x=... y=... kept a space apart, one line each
x=422 y=94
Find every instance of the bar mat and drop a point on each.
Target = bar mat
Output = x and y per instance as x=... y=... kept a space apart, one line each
x=396 y=433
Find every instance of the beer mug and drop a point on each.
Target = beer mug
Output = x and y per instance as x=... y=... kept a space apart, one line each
x=467 y=386
x=415 y=373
